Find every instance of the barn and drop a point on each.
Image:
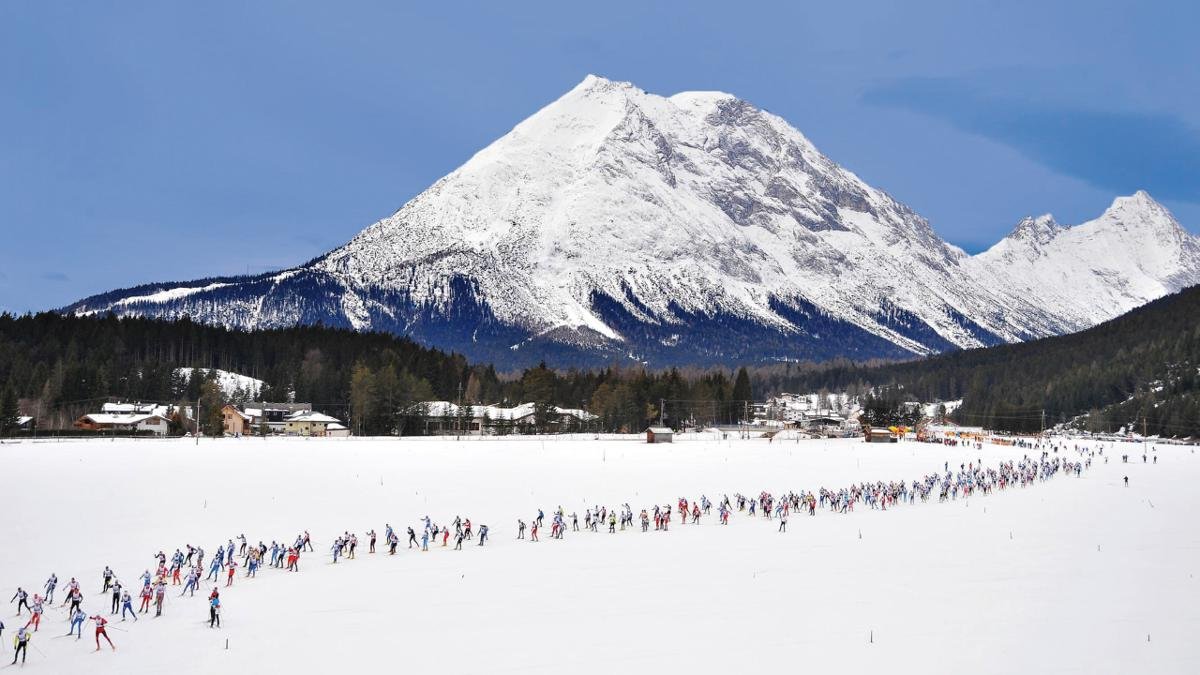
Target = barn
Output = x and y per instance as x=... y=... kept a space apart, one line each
x=659 y=435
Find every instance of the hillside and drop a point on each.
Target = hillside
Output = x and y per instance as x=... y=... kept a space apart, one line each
x=1140 y=368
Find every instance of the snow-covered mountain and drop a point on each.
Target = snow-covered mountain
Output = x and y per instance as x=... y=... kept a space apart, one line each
x=614 y=224
x=1133 y=253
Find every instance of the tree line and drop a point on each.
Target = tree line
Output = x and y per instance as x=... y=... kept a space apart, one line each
x=1142 y=368
x=59 y=367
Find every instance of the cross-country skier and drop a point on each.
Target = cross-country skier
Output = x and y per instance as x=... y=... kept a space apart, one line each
x=20 y=644
x=146 y=595
x=108 y=577
x=75 y=597
x=35 y=618
x=77 y=619
x=371 y=534
x=193 y=580
x=100 y=632
x=21 y=598
x=160 y=592
x=51 y=584
x=214 y=610
x=520 y=529
x=127 y=606
x=483 y=530
x=116 y=596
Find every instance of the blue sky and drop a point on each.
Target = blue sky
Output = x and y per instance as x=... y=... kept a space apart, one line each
x=171 y=140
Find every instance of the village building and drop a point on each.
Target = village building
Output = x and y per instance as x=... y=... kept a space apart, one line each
x=236 y=422
x=273 y=416
x=309 y=423
x=880 y=435
x=659 y=435
x=444 y=417
x=123 y=422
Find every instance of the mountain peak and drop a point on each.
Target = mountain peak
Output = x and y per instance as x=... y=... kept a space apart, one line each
x=593 y=82
x=1039 y=229
x=1139 y=202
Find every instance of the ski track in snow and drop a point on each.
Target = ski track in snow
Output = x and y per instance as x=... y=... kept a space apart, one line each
x=1091 y=568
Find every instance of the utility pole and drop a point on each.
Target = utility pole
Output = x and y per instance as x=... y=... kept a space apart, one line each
x=458 y=417
x=746 y=419
x=661 y=403
x=1043 y=422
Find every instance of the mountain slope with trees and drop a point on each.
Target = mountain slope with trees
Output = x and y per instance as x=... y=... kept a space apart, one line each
x=1140 y=368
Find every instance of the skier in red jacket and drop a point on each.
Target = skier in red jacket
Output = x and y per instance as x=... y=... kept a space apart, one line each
x=100 y=632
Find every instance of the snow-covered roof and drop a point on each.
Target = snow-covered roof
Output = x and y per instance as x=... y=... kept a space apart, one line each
x=335 y=426
x=116 y=418
x=22 y=421
x=495 y=412
x=243 y=415
x=161 y=410
x=660 y=430
x=310 y=416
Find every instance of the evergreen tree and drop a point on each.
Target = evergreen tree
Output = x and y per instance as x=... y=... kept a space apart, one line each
x=212 y=420
x=9 y=413
x=741 y=386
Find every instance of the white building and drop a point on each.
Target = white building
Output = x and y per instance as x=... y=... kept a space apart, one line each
x=156 y=424
x=444 y=417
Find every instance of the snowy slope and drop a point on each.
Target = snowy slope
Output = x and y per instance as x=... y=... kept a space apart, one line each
x=229 y=382
x=1133 y=253
x=1067 y=576
x=689 y=229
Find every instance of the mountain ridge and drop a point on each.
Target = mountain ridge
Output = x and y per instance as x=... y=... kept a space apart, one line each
x=614 y=224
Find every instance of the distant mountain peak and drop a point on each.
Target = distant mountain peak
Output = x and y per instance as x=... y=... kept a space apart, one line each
x=1140 y=211
x=1038 y=229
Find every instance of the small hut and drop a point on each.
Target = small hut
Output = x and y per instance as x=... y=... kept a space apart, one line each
x=880 y=435
x=659 y=435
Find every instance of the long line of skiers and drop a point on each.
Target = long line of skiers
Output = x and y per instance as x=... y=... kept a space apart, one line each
x=186 y=568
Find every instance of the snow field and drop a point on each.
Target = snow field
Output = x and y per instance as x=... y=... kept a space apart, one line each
x=940 y=587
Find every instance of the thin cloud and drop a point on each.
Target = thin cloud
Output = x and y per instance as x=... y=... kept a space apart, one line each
x=1116 y=151
x=55 y=276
